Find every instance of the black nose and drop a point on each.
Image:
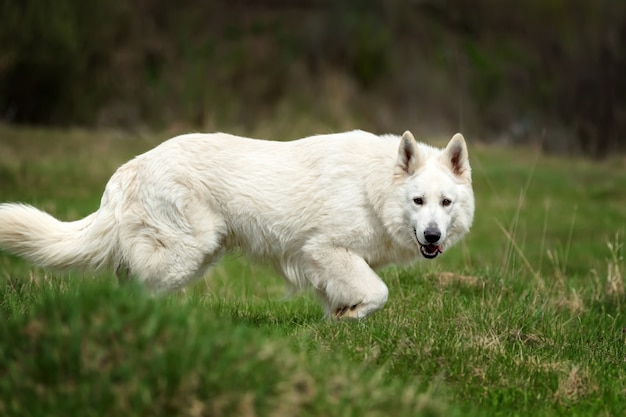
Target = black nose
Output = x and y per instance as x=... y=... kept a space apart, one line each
x=432 y=234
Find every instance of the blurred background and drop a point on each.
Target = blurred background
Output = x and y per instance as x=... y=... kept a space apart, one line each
x=550 y=73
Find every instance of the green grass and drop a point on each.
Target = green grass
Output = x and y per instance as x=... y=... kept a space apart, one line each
x=525 y=317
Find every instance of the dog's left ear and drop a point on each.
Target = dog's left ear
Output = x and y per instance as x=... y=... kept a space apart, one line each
x=456 y=157
x=408 y=156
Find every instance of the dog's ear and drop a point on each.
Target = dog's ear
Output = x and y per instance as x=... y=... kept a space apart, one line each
x=456 y=157
x=408 y=156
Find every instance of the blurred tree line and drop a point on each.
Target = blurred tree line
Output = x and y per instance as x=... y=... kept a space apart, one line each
x=548 y=71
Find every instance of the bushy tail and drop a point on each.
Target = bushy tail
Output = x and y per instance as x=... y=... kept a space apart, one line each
x=37 y=236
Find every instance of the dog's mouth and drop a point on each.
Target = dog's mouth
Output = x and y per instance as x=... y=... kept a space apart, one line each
x=430 y=251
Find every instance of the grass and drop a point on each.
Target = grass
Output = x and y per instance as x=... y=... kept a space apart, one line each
x=525 y=317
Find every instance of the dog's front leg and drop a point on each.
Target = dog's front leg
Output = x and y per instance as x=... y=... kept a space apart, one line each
x=347 y=285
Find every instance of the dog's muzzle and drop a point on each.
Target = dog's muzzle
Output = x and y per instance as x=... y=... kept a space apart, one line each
x=431 y=249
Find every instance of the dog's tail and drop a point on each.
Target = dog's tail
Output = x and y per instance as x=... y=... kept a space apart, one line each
x=37 y=236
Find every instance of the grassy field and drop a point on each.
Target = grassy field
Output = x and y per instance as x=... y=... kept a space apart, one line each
x=525 y=317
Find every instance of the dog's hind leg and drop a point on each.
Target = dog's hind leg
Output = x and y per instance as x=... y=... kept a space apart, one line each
x=168 y=254
x=347 y=285
x=169 y=265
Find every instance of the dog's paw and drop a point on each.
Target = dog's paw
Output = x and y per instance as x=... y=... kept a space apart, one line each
x=347 y=312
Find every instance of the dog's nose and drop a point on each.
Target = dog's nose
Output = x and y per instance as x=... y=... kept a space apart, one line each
x=432 y=234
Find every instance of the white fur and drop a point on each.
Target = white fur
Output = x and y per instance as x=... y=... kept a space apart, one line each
x=325 y=211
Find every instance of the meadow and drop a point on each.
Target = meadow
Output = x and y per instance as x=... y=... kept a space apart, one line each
x=524 y=317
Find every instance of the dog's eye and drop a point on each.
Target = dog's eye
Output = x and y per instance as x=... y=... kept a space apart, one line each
x=445 y=202
x=418 y=201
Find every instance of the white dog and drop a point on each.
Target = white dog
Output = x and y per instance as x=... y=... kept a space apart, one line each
x=325 y=211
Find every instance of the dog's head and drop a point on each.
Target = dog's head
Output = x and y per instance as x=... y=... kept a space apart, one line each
x=436 y=186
